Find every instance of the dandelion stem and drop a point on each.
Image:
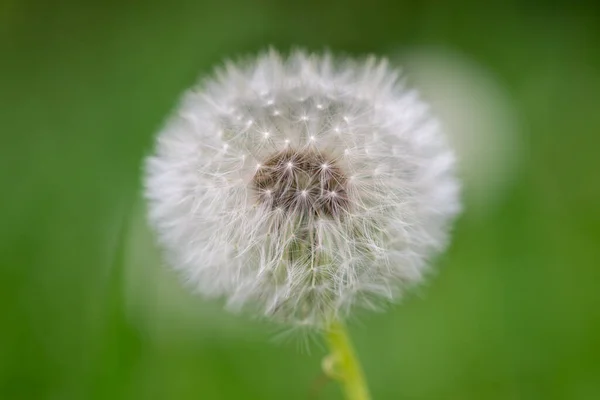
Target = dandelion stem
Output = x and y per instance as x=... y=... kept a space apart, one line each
x=342 y=363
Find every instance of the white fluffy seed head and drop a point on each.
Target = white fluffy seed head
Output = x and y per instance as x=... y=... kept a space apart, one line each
x=302 y=187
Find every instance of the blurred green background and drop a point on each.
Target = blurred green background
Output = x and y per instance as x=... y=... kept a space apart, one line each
x=88 y=311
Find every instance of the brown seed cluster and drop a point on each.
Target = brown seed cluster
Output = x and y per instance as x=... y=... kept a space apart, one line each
x=303 y=182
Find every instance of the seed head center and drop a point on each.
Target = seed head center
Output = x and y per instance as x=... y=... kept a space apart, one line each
x=303 y=182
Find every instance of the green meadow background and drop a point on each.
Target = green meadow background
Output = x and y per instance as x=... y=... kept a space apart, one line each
x=87 y=309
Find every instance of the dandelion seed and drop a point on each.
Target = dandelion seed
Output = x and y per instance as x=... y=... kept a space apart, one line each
x=342 y=212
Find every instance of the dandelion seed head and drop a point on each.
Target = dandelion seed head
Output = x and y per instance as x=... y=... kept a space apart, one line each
x=306 y=186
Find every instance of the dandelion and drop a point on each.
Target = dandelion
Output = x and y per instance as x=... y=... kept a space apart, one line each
x=302 y=188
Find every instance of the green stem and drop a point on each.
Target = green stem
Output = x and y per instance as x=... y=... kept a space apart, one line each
x=342 y=363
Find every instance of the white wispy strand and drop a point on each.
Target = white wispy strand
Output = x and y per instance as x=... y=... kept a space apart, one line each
x=306 y=256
